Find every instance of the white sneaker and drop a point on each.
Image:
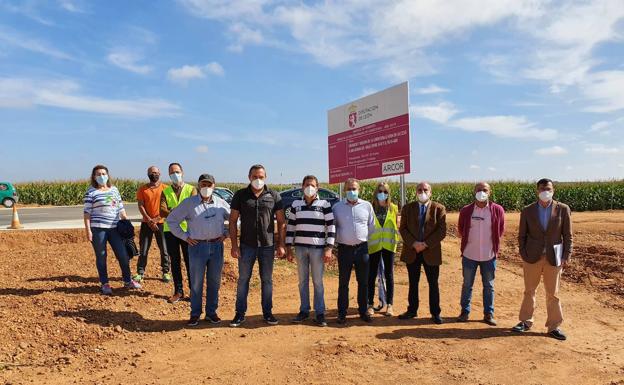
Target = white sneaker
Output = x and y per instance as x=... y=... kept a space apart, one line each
x=370 y=311
x=389 y=311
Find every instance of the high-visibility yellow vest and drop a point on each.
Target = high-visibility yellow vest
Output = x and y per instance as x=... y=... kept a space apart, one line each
x=387 y=236
x=172 y=201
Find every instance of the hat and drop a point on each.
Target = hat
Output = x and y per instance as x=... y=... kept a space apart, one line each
x=207 y=177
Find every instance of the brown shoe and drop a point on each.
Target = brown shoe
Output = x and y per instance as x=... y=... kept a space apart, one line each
x=489 y=319
x=175 y=298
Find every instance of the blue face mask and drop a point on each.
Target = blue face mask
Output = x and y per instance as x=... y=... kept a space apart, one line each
x=101 y=179
x=352 y=195
x=382 y=196
x=176 y=178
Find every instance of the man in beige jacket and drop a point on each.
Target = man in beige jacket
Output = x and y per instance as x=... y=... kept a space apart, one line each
x=545 y=242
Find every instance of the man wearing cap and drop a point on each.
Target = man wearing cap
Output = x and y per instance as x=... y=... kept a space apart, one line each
x=205 y=215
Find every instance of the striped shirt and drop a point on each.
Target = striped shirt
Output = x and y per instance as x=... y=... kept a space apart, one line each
x=310 y=225
x=103 y=207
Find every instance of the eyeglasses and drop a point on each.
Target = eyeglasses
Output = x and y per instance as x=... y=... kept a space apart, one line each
x=382 y=191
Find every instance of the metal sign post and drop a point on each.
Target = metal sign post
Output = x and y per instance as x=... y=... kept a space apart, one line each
x=402 y=181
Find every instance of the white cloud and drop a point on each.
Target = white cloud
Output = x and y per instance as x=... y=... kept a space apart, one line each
x=431 y=89
x=599 y=126
x=554 y=150
x=621 y=165
x=202 y=149
x=338 y=33
x=244 y=35
x=128 y=60
x=474 y=167
x=27 y=9
x=601 y=149
x=605 y=91
x=504 y=126
x=71 y=6
x=18 y=40
x=24 y=93
x=493 y=169
x=187 y=72
x=440 y=113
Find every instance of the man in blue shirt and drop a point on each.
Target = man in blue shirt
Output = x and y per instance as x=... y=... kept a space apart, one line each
x=205 y=215
x=354 y=218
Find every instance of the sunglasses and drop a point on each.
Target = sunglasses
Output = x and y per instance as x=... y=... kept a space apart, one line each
x=382 y=191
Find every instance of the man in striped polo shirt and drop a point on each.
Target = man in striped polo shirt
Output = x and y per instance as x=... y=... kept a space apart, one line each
x=311 y=230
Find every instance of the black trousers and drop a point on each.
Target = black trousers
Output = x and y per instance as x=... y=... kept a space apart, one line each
x=348 y=258
x=432 y=273
x=388 y=260
x=174 y=245
x=145 y=242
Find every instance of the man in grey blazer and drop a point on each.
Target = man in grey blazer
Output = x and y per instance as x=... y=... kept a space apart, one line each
x=545 y=242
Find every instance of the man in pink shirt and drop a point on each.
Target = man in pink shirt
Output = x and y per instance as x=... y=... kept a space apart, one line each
x=481 y=227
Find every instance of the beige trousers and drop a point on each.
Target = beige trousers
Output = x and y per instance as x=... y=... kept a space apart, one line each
x=533 y=273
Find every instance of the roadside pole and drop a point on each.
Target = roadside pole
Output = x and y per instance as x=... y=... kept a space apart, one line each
x=402 y=181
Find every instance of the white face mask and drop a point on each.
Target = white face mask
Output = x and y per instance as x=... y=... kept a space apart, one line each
x=423 y=197
x=546 y=196
x=309 y=191
x=482 y=196
x=257 y=184
x=206 y=192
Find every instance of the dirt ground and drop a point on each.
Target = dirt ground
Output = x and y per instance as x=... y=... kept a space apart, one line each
x=56 y=329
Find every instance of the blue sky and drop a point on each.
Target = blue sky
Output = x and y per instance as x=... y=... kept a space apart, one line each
x=499 y=89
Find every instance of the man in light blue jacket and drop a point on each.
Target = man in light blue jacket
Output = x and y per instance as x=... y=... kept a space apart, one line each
x=205 y=215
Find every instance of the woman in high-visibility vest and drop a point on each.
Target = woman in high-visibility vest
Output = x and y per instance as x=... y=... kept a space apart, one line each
x=382 y=245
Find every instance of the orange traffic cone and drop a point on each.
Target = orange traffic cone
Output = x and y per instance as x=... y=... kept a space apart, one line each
x=15 y=222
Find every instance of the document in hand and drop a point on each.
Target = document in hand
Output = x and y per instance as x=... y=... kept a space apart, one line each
x=558 y=253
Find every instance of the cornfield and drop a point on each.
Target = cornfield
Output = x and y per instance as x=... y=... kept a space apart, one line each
x=581 y=196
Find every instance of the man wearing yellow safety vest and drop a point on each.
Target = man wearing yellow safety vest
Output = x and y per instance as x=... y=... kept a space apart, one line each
x=382 y=244
x=171 y=197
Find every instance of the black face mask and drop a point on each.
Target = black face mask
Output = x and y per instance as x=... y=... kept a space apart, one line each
x=154 y=177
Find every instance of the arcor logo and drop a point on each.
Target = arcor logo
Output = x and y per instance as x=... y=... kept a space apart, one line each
x=394 y=167
x=352 y=115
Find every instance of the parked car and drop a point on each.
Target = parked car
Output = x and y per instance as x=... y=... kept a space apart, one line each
x=8 y=194
x=289 y=196
x=225 y=194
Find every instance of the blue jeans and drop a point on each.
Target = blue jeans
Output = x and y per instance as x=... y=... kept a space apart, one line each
x=311 y=259
x=348 y=257
x=205 y=259
x=100 y=237
x=248 y=255
x=488 y=269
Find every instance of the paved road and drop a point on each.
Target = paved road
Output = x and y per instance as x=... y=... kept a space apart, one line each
x=55 y=217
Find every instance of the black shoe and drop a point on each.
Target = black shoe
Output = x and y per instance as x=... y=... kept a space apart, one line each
x=366 y=318
x=320 y=320
x=407 y=315
x=463 y=317
x=270 y=319
x=194 y=321
x=239 y=318
x=302 y=316
x=341 y=320
x=558 y=335
x=213 y=319
x=437 y=320
x=521 y=327
x=489 y=319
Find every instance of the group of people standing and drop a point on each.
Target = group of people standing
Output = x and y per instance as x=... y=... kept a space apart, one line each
x=189 y=225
